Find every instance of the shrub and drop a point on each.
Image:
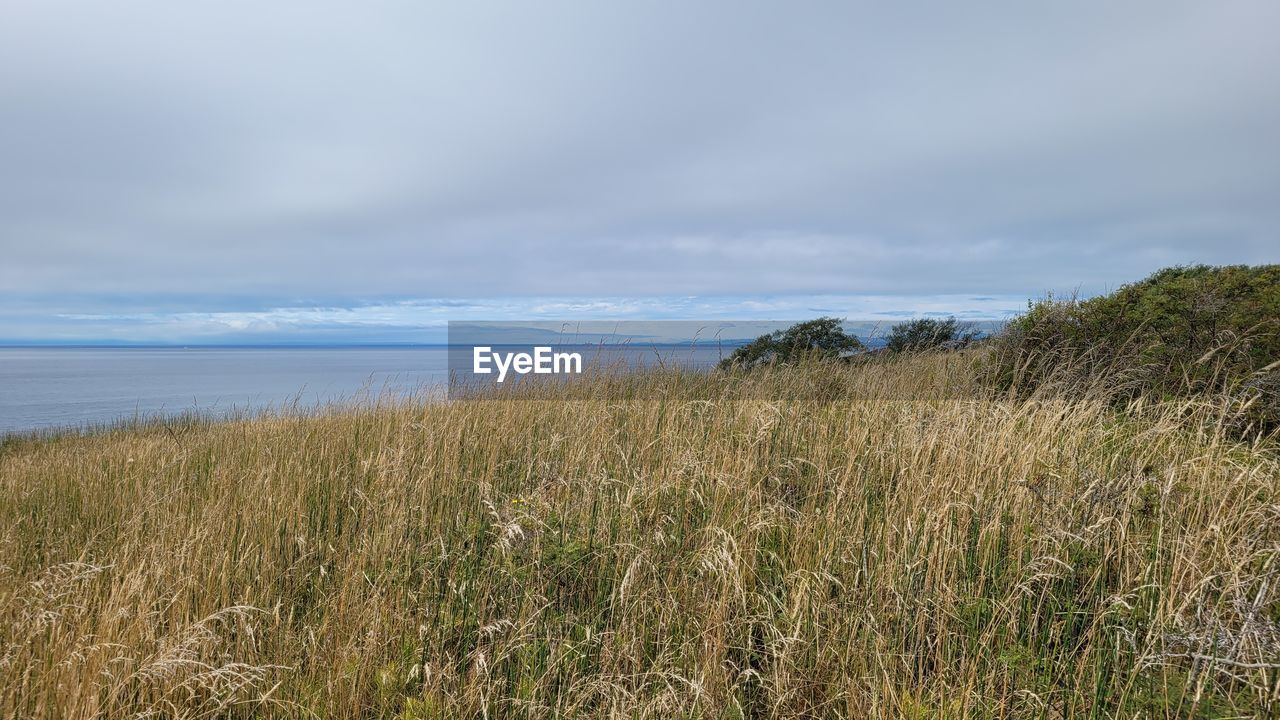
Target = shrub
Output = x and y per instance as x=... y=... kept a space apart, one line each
x=823 y=338
x=1181 y=331
x=930 y=334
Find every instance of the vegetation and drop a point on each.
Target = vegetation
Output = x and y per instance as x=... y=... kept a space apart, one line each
x=823 y=338
x=668 y=545
x=1065 y=522
x=925 y=334
x=1182 y=331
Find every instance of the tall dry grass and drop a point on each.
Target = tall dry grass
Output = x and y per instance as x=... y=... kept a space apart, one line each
x=886 y=541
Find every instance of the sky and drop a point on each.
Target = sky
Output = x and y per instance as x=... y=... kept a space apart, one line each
x=363 y=172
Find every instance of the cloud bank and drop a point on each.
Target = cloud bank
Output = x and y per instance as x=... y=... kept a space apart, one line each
x=233 y=157
x=424 y=321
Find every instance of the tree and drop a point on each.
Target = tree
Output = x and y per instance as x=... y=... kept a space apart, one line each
x=823 y=338
x=930 y=334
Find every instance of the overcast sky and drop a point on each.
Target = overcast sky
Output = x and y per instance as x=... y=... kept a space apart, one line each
x=178 y=171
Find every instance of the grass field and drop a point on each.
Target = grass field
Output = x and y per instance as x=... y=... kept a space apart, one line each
x=888 y=540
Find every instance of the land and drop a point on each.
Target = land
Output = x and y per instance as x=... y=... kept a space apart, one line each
x=889 y=539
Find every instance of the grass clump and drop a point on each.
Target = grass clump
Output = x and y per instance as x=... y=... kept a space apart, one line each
x=924 y=548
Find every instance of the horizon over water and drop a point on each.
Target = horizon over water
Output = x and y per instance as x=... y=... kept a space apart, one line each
x=68 y=387
x=55 y=387
x=46 y=388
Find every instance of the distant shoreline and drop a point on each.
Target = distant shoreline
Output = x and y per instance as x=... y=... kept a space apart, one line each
x=357 y=346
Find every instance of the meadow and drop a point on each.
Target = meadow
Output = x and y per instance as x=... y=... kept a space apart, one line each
x=893 y=539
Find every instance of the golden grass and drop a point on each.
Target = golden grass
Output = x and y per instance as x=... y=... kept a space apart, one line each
x=884 y=540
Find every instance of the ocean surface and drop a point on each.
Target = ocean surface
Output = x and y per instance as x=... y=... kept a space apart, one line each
x=50 y=388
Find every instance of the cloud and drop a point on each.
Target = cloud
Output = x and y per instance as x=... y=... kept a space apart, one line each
x=425 y=320
x=239 y=157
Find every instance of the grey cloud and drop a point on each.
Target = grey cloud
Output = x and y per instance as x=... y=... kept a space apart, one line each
x=336 y=151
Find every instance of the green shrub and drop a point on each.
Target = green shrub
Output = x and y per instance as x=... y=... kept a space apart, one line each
x=930 y=334
x=821 y=338
x=1181 y=331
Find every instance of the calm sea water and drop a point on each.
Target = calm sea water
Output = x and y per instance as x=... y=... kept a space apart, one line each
x=60 y=387
x=43 y=388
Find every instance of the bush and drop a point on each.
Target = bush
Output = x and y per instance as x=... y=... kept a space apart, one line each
x=823 y=338
x=1181 y=331
x=930 y=334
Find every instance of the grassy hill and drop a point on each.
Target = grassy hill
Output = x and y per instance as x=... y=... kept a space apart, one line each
x=881 y=540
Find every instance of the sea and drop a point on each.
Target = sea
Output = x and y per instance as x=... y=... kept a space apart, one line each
x=60 y=388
